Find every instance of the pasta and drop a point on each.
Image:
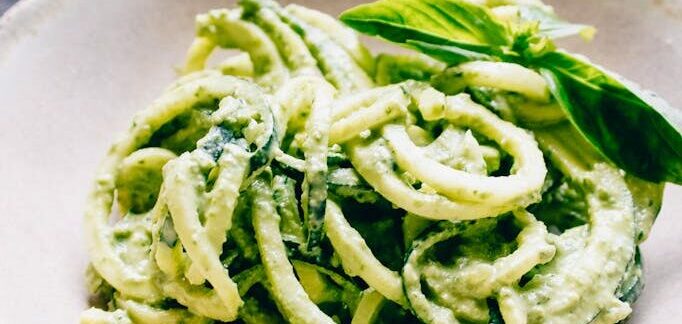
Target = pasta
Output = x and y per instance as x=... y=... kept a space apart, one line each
x=304 y=180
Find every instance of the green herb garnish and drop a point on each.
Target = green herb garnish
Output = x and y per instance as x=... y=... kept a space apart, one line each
x=635 y=130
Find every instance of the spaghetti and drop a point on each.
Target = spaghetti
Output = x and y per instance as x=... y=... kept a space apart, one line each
x=284 y=185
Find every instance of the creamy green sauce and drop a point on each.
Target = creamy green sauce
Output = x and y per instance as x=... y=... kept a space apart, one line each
x=283 y=185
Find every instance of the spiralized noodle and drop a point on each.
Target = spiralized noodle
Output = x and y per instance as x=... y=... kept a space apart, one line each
x=284 y=185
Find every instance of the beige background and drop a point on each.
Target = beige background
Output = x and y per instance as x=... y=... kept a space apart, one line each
x=72 y=72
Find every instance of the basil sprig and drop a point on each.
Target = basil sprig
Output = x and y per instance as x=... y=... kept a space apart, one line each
x=635 y=130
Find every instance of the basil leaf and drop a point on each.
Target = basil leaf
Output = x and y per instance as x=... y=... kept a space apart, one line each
x=552 y=26
x=430 y=21
x=635 y=130
x=450 y=54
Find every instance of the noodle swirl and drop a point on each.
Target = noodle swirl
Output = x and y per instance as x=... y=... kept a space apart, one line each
x=283 y=185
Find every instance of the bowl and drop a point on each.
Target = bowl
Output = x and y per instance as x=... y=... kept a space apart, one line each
x=73 y=72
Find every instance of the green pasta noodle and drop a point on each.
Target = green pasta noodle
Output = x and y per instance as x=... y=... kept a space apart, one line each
x=305 y=180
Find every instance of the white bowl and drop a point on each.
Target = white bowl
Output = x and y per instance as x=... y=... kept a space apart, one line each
x=73 y=72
